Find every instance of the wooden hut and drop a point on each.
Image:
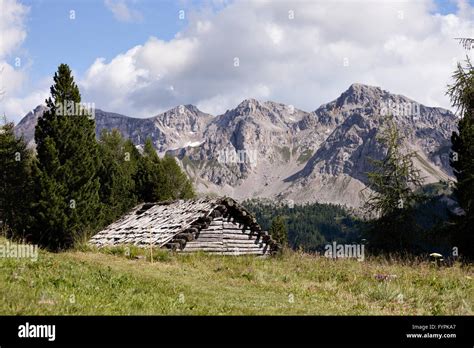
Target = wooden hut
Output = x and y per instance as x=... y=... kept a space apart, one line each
x=218 y=225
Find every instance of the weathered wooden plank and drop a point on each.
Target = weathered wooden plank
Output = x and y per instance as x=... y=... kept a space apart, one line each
x=243 y=245
x=241 y=239
x=212 y=228
x=246 y=232
x=208 y=239
x=204 y=249
x=242 y=249
x=210 y=235
x=204 y=244
x=238 y=233
x=238 y=237
x=231 y=225
x=230 y=253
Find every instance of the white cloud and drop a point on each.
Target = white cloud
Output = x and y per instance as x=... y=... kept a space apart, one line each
x=404 y=47
x=12 y=77
x=17 y=107
x=287 y=51
x=122 y=12
x=12 y=29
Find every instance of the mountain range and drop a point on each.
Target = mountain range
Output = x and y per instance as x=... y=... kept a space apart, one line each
x=272 y=150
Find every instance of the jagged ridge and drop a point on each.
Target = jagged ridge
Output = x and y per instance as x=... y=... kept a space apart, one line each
x=269 y=149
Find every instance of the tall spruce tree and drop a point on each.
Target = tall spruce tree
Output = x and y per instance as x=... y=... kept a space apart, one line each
x=66 y=204
x=15 y=183
x=394 y=183
x=461 y=93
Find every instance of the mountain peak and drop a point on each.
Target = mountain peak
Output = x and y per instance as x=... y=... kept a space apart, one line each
x=362 y=89
x=181 y=109
x=39 y=108
x=360 y=94
x=248 y=102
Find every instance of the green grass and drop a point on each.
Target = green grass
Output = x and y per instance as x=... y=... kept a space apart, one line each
x=109 y=282
x=188 y=162
x=305 y=156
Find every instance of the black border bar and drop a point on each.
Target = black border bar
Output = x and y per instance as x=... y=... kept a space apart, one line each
x=258 y=330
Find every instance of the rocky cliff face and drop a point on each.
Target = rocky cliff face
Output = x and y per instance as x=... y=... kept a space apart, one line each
x=268 y=149
x=26 y=126
x=337 y=170
x=176 y=128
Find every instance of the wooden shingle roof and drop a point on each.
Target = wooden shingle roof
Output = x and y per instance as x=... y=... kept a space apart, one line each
x=173 y=224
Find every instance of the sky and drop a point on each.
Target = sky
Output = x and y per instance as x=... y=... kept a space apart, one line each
x=142 y=57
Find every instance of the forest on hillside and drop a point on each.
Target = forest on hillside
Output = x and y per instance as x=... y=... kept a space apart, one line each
x=309 y=226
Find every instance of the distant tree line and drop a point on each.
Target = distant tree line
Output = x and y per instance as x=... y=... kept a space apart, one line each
x=73 y=185
x=309 y=227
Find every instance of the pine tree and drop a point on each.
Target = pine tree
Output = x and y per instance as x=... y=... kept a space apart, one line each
x=176 y=184
x=393 y=182
x=278 y=231
x=66 y=203
x=16 y=183
x=116 y=171
x=462 y=158
x=149 y=178
x=161 y=179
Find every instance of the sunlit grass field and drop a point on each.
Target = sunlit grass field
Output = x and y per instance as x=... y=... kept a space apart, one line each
x=119 y=282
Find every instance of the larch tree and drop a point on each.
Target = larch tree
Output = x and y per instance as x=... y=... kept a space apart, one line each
x=393 y=183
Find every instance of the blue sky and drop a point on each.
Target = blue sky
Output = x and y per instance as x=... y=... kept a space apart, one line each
x=54 y=38
x=194 y=55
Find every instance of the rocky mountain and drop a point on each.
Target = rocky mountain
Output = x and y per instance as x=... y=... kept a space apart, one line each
x=176 y=128
x=26 y=126
x=273 y=150
x=337 y=170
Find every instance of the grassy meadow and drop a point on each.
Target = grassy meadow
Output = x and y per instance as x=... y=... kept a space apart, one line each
x=123 y=281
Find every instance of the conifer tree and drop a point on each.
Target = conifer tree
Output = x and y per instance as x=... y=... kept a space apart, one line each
x=116 y=171
x=15 y=183
x=176 y=184
x=394 y=183
x=279 y=232
x=161 y=179
x=149 y=176
x=461 y=93
x=66 y=204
